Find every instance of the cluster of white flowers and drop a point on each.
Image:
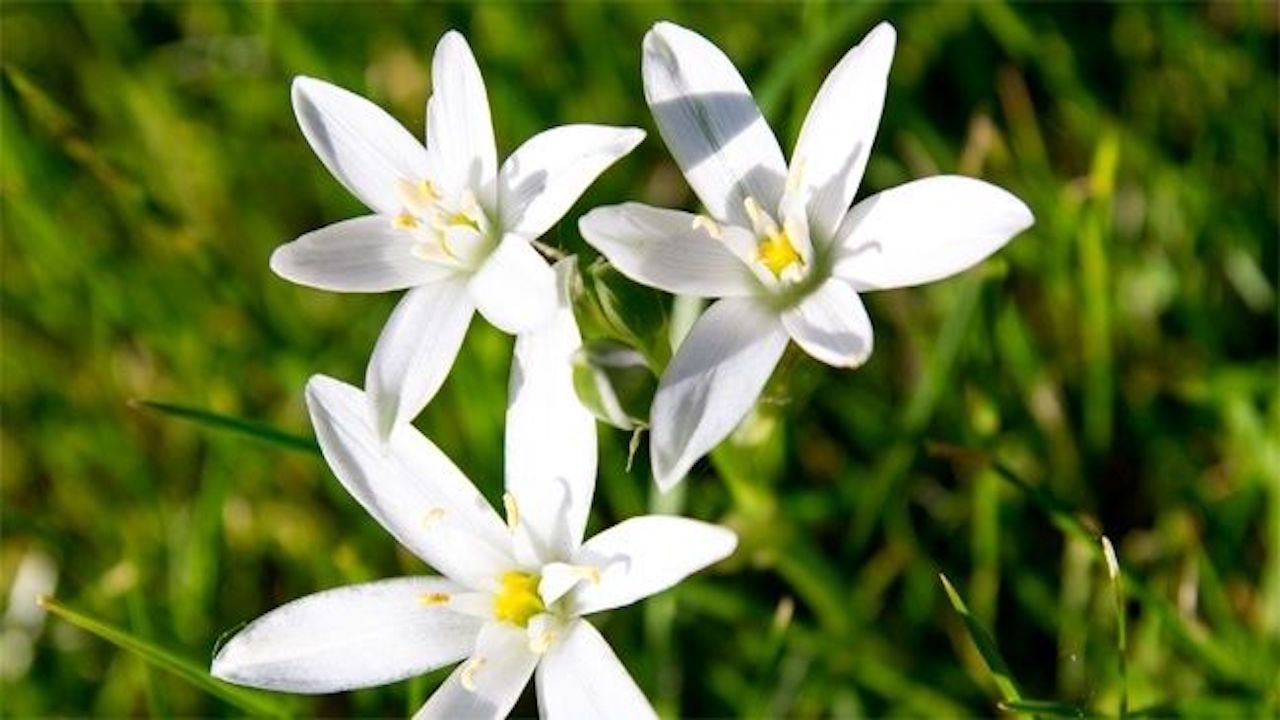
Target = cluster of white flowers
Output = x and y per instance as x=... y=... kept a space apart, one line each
x=780 y=246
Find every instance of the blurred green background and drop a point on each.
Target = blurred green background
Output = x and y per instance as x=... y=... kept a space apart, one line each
x=1119 y=358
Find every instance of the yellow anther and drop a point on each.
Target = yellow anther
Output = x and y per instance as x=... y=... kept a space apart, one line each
x=517 y=599
x=468 y=675
x=434 y=599
x=405 y=221
x=463 y=219
x=777 y=253
x=433 y=516
x=419 y=195
x=705 y=223
x=513 y=511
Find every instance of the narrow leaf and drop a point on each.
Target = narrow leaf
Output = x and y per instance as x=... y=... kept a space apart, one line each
x=207 y=418
x=1043 y=707
x=247 y=701
x=985 y=643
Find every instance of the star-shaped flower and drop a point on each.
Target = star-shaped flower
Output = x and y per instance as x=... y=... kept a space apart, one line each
x=449 y=224
x=512 y=597
x=781 y=245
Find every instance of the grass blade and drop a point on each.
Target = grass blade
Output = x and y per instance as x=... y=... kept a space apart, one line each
x=247 y=701
x=1046 y=708
x=985 y=643
x=207 y=418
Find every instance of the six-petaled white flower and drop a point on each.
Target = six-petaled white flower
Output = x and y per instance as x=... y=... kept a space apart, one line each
x=512 y=596
x=449 y=223
x=780 y=245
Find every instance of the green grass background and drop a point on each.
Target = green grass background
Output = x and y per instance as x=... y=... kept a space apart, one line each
x=1119 y=358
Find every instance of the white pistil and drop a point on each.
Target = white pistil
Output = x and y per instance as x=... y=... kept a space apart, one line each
x=468 y=675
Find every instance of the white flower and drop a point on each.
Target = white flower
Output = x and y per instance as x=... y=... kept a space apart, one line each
x=512 y=596
x=780 y=244
x=448 y=223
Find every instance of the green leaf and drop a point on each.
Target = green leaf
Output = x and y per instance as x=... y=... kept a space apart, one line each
x=985 y=643
x=615 y=383
x=248 y=701
x=207 y=418
x=1043 y=707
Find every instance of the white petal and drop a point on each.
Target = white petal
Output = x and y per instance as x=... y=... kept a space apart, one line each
x=715 y=377
x=840 y=128
x=410 y=487
x=416 y=350
x=926 y=230
x=514 y=289
x=489 y=683
x=364 y=254
x=664 y=249
x=710 y=122
x=831 y=324
x=459 y=128
x=363 y=146
x=550 y=171
x=551 y=436
x=646 y=555
x=350 y=637
x=580 y=677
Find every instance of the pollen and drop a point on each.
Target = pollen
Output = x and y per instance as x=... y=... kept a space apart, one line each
x=777 y=253
x=434 y=599
x=517 y=599
x=405 y=221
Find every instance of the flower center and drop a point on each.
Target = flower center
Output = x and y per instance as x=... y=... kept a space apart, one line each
x=517 y=598
x=449 y=230
x=777 y=253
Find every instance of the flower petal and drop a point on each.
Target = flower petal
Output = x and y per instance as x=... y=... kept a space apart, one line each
x=410 y=487
x=514 y=289
x=489 y=683
x=416 y=350
x=551 y=170
x=364 y=254
x=459 y=127
x=715 y=377
x=835 y=140
x=926 y=230
x=646 y=555
x=350 y=637
x=831 y=324
x=710 y=122
x=364 y=147
x=551 y=436
x=581 y=677
x=668 y=250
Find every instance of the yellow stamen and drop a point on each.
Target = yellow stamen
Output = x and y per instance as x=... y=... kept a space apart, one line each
x=468 y=676
x=517 y=599
x=418 y=195
x=513 y=511
x=759 y=219
x=777 y=253
x=405 y=221
x=434 y=599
